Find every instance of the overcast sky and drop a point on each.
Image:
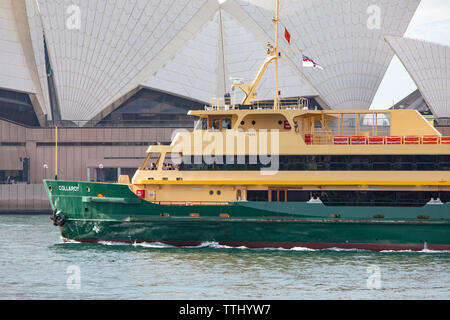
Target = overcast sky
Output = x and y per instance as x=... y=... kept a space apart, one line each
x=432 y=23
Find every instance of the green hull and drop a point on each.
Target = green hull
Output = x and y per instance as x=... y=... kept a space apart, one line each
x=123 y=217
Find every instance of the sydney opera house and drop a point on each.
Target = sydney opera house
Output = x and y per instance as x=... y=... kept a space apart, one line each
x=118 y=75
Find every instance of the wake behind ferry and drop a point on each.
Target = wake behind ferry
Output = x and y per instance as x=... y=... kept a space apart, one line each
x=275 y=174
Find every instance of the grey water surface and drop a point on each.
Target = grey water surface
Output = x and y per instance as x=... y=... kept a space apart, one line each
x=35 y=264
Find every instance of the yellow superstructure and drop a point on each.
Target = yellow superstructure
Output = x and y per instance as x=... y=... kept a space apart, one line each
x=285 y=146
x=245 y=128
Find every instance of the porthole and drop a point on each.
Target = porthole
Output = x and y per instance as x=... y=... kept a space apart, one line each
x=242 y=123
x=280 y=122
x=211 y=192
x=218 y=192
x=253 y=122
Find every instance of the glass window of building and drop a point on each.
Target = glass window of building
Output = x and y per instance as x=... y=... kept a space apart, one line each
x=17 y=107
x=152 y=108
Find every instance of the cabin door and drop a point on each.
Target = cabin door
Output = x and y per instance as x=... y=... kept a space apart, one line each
x=278 y=195
x=151 y=195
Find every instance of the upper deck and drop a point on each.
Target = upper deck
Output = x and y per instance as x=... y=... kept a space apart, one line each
x=322 y=127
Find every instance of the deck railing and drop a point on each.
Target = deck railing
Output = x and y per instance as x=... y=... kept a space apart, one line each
x=234 y=104
x=376 y=140
x=192 y=203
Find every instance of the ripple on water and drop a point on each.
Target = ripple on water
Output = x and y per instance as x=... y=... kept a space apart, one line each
x=35 y=264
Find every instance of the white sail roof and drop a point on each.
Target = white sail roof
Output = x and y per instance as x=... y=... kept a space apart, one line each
x=114 y=42
x=224 y=49
x=37 y=43
x=193 y=47
x=193 y=71
x=17 y=71
x=429 y=66
x=244 y=45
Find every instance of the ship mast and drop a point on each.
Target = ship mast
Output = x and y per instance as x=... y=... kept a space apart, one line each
x=272 y=54
x=276 y=100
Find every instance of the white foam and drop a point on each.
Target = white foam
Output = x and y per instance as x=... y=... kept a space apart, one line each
x=65 y=240
x=302 y=249
x=108 y=243
x=156 y=245
x=417 y=251
x=216 y=245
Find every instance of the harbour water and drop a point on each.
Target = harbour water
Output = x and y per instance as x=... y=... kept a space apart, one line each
x=35 y=264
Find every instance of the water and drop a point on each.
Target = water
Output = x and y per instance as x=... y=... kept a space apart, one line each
x=35 y=264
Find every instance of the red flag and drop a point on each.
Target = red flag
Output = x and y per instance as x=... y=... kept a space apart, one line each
x=287 y=35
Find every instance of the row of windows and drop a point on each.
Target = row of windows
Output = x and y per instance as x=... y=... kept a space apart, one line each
x=14 y=144
x=351 y=198
x=319 y=163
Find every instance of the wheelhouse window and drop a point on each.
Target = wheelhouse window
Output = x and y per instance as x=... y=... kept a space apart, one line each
x=215 y=124
x=202 y=124
x=226 y=123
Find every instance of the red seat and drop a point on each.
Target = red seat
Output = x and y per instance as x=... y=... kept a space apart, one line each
x=340 y=140
x=430 y=139
x=376 y=140
x=358 y=140
x=411 y=140
x=393 y=140
x=445 y=139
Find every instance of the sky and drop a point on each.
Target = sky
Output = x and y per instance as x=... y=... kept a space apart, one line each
x=431 y=22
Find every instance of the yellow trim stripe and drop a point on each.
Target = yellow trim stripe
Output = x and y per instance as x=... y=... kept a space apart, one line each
x=271 y=183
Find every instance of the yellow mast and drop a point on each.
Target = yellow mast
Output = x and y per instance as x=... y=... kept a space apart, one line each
x=276 y=102
x=272 y=54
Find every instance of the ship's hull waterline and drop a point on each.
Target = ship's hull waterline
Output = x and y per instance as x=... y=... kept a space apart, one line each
x=95 y=212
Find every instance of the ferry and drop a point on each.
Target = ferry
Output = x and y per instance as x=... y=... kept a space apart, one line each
x=275 y=174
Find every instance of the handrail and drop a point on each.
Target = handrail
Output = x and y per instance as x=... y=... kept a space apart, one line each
x=234 y=104
x=388 y=140
x=191 y=203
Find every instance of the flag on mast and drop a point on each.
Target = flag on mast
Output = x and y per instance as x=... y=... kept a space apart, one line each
x=310 y=63
x=287 y=36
